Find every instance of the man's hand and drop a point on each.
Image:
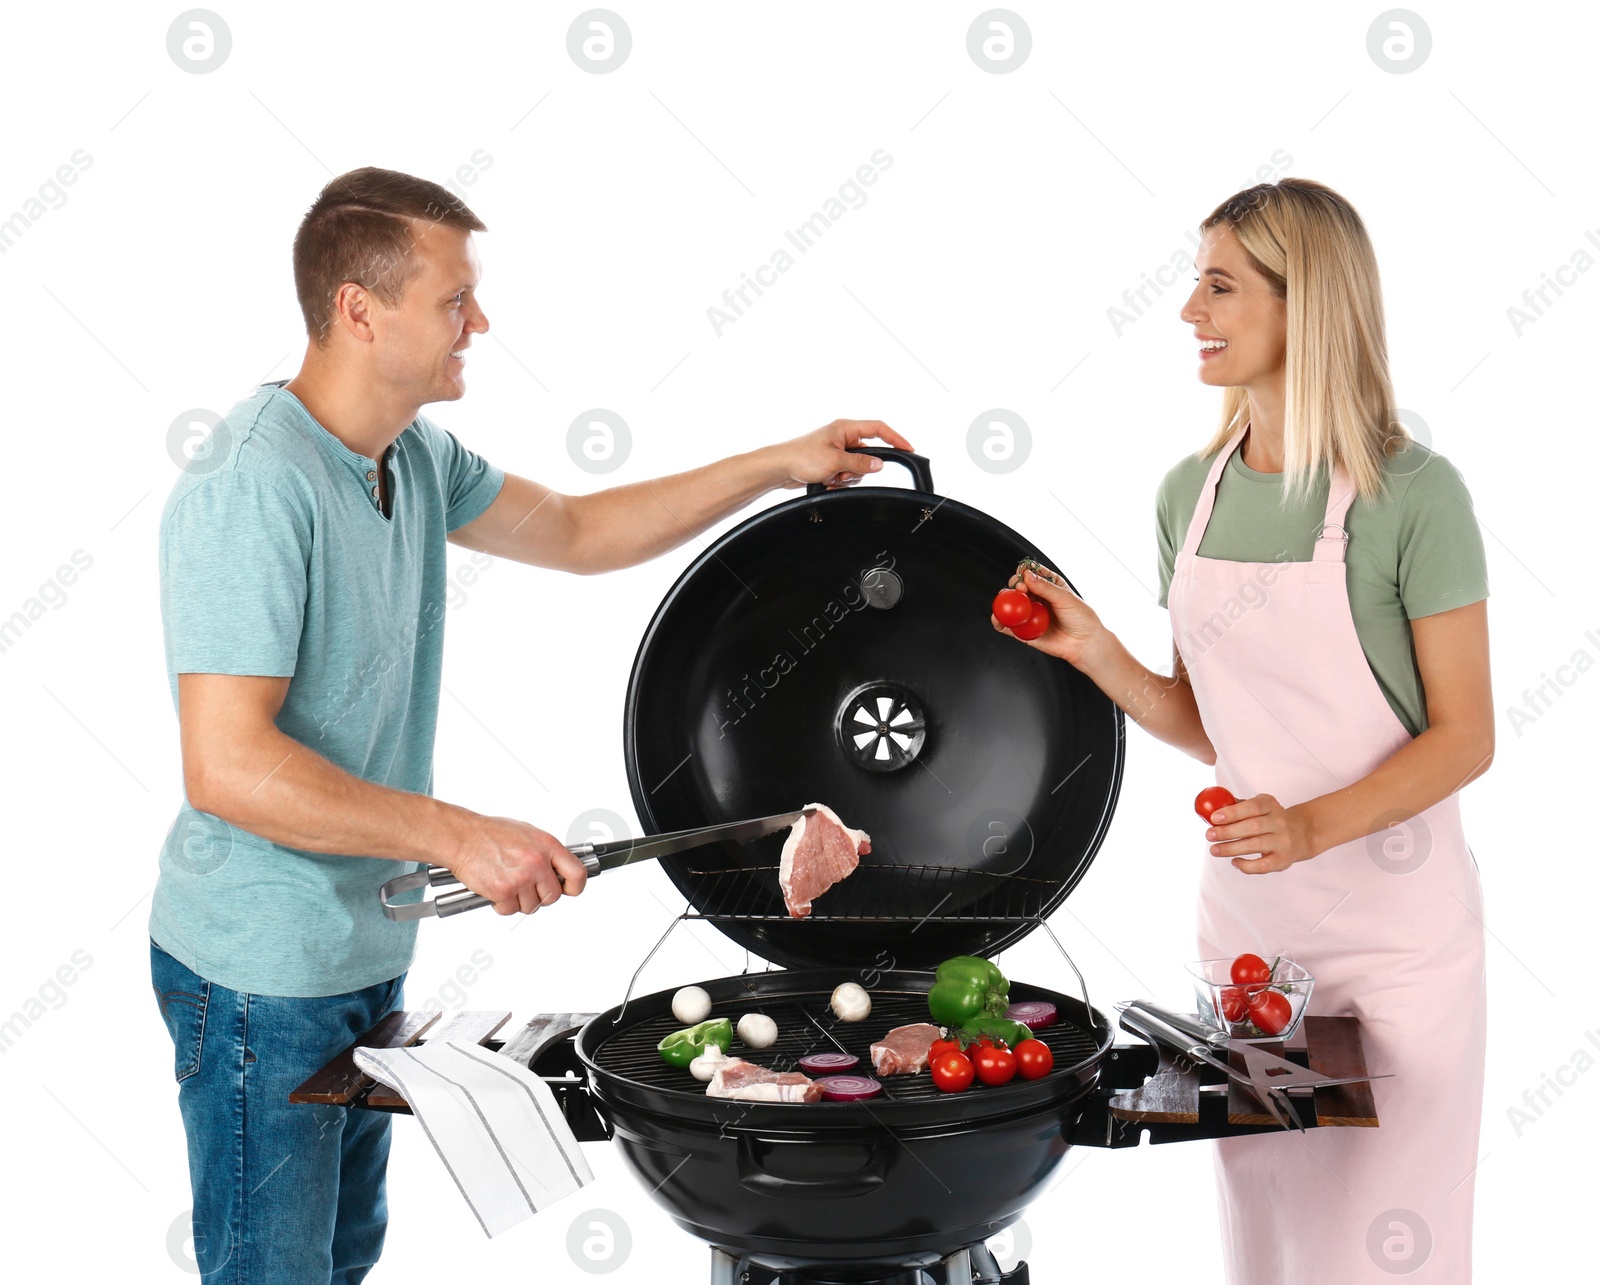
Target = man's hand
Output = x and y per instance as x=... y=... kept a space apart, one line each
x=516 y=865
x=826 y=456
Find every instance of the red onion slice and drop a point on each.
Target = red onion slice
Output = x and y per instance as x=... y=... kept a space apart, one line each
x=849 y=1088
x=1035 y=1014
x=827 y=1063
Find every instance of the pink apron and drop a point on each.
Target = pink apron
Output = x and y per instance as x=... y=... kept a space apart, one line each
x=1390 y=927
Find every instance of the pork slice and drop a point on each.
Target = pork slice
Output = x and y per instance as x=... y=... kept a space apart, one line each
x=904 y=1050
x=820 y=851
x=736 y=1078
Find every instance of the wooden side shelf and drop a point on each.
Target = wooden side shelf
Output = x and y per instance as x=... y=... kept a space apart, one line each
x=464 y=1028
x=1333 y=1047
x=1183 y=1094
x=342 y=1083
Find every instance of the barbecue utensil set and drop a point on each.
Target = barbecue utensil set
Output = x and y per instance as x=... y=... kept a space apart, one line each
x=1266 y=1075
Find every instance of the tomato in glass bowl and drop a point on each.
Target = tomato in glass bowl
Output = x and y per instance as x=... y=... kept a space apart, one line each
x=1270 y=1010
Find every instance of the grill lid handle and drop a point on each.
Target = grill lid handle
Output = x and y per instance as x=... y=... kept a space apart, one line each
x=921 y=468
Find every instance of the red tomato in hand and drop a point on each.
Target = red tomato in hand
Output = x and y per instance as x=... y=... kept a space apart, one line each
x=994 y=1065
x=1036 y=623
x=1234 y=1005
x=951 y=1073
x=1269 y=1009
x=1250 y=970
x=1012 y=607
x=1210 y=799
x=1034 y=1059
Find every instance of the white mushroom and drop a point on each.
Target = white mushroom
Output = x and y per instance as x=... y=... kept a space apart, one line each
x=757 y=1030
x=705 y=1066
x=851 y=1002
x=691 y=1005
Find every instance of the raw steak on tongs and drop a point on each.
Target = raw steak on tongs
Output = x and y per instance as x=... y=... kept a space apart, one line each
x=820 y=851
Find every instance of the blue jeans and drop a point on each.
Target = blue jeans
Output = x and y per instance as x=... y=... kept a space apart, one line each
x=283 y=1194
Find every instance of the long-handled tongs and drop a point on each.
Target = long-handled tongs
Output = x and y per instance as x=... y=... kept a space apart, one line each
x=596 y=858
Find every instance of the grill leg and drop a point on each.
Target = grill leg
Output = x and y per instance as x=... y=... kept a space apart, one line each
x=986 y=1270
x=958 y=1268
x=974 y=1265
x=724 y=1267
x=732 y=1269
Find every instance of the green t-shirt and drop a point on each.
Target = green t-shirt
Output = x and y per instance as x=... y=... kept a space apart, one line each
x=276 y=560
x=1414 y=551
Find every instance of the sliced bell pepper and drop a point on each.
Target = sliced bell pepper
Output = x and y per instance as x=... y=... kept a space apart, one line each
x=967 y=987
x=682 y=1047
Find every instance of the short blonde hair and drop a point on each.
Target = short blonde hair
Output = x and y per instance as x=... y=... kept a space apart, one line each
x=1310 y=243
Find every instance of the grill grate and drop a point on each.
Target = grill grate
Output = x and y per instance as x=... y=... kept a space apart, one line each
x=876 y=894
x=805 y=1023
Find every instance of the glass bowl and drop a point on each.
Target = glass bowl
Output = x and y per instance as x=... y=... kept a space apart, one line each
x=1214 y=985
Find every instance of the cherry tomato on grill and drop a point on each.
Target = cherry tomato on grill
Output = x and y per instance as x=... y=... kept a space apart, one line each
x=1034 y=1059
x=951 y=1073
x=941 y=1047
x=1012 y=607
x=1269 y=1009
x=1035 y=625
x=994 y=1065
x=1250 y=970
x=1234 y=1005
x=1210 y=799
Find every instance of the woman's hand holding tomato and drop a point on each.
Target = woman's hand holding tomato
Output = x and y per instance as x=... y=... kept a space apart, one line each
x=1072 y=626
x=1277 y=836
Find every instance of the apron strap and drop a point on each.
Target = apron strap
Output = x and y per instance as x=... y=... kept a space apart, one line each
x=1208 y=495
x=1332 y=538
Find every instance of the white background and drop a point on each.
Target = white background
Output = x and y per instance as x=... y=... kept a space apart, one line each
x=978 y=274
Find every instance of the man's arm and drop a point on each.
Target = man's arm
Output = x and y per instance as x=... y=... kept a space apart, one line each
x=625 y=525
x=237 y=765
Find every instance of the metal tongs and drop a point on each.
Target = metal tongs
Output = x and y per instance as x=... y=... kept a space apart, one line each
x=1265 y=1074
x=596 y=858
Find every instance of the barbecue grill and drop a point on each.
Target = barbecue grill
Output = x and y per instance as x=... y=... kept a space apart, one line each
x=837 y=648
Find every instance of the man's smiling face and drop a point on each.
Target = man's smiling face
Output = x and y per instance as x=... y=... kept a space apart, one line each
x=420 y=347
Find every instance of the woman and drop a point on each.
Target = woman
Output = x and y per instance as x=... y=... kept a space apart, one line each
x=1325 y=580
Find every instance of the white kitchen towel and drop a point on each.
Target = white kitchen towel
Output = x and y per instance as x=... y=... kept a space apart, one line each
x=494 y=1123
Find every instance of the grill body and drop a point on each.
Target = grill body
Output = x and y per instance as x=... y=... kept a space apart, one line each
x=851 y=1187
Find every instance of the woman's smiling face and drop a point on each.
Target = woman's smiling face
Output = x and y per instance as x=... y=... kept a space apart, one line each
x=1238 y=319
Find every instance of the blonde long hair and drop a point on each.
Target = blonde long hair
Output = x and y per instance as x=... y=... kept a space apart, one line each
x=1310 y=243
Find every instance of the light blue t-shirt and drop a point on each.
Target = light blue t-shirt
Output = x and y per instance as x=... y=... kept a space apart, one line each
x=277 y=560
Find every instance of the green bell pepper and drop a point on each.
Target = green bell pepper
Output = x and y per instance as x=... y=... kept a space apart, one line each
x=967 y=987
x=682 y=1047
x=996 y=1028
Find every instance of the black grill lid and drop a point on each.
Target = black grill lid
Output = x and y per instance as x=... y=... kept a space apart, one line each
x=837 y=648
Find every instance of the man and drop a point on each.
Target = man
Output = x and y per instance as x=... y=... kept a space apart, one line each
x=303 y=591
